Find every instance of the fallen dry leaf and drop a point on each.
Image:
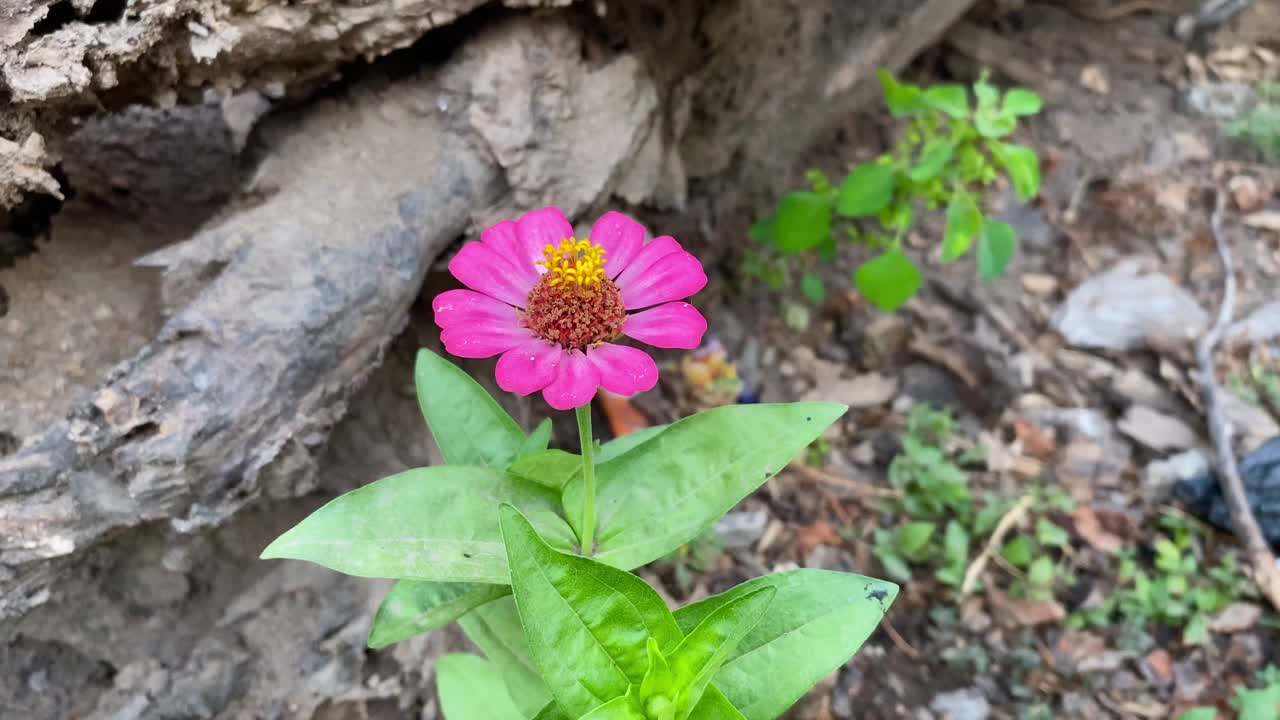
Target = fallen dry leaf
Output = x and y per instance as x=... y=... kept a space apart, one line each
x=1026 y=613
x=1236 y=617
x=1247 y=193
x=624 y=418
x=1088 y=527
x=1036 y=441
x=809 y=537
x=1160 y=663
x=863 y=391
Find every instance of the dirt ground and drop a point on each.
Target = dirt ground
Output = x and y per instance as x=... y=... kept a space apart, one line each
x=1132 y=151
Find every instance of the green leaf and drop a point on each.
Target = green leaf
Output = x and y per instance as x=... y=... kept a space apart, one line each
x=813 y=287
x=1261 y=704
x=992 y=124
x=550 y=468
x=995 y=248
x=955 y=544
x=964 y=222
x=626 y=443
x=715 y=706
x=1197 y=630
x=710 y=643
x=1017 y=551
x=537 y=440
x=471 y=688
x=1050 y=535
x=912 y=539
x=1040 y=574
x=818 y=619
x=889 y=280
x=804 y=221
x=623 y=707
x=1200 y=713
x=495 y=629
x=664 y=492
x=934 y=156
x=904 y=100
x=1020 y=101
x=765 y=230
x=986 y=93
x=413 y=607
x=398 y=527
x=950 y=99
x=1023 y=167
x=586 y=622
x=550 y=712
x=468 y=425
x=866 y=191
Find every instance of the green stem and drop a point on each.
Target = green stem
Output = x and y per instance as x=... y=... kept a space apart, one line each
x=588 y=527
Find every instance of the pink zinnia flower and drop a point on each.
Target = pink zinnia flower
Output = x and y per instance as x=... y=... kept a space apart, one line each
x=551 y=305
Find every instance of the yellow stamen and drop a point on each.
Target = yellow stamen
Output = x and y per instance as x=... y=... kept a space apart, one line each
x=574 y=263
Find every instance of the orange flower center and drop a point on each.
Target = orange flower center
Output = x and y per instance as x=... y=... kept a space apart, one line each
x=574 y=303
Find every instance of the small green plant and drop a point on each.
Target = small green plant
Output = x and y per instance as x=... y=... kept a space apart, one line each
x=1258 y=703
x=944 y=520
x=1177 y=589
x=949 y=151
x=1260 y=127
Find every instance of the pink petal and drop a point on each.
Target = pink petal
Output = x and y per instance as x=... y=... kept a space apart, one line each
x=673 y=325
x=482 y=269
x=648 y=255
x=468 y=307
x=673 y=277
x=623 y=370
x=621 y=237
x=529 y=367
x=540 y=228
x=484 y=340
x=575 y=383
x=504 y=239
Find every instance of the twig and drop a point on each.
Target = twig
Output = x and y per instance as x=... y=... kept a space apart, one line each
x=1246 y=526
x=1011 y=518
x=899 y=642
x=858 y=488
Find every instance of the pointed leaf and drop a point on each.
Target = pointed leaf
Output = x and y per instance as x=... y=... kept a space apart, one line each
x=664 y=492
x=396 y=527
x=471 y=688
x=1022 y=165
x=713 y=641
x=804 y=221
x=964 y=222
x=816 y=622
x=550 y=468
x=1020 y=101
x=468 y=425
x=866 y=191
x=624 y=707
x=586 y=622
x=903 y=99
x=715 y=706
x=950 y=99
x=413 y=607
x=933 y=158
x=813 y=287
x=889 y=280
x=764 y=230
x=550 y=712
x=995 y=248
x=495 y=629
x=537 y=440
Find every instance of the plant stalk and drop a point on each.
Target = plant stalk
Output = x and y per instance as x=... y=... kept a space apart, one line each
x=588 y=526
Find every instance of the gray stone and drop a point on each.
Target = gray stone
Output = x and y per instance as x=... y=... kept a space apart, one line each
x=967 y=704
x=741 y=529
x=1127 y=307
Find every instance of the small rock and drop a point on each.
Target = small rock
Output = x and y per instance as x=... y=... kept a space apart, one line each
x=1083 y=464
x=1164 y=474
x=1093 y=79
x=38 y=681
x=1158 y=667
x=932 y=385
x=1075 y=423
x=803 y=359
x=966 y=704
x=1039 y=284
x=1236 y=617
x=787 y=369
x=1263 y=220
x=1189 y=684
x=887 y=336
x=1191 y=147
x=1138 y=388
x=862 y=391
x=741 y=529
x=864 y=453
x=1261 y=325
x=1221 y=100
x=824 y=557
x=1126 y=307
x=1247 y=193
x=1157 y=430
x=1255 y=425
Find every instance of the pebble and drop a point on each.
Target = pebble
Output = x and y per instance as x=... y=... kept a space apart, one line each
x=966 y=704
x=741 y=529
